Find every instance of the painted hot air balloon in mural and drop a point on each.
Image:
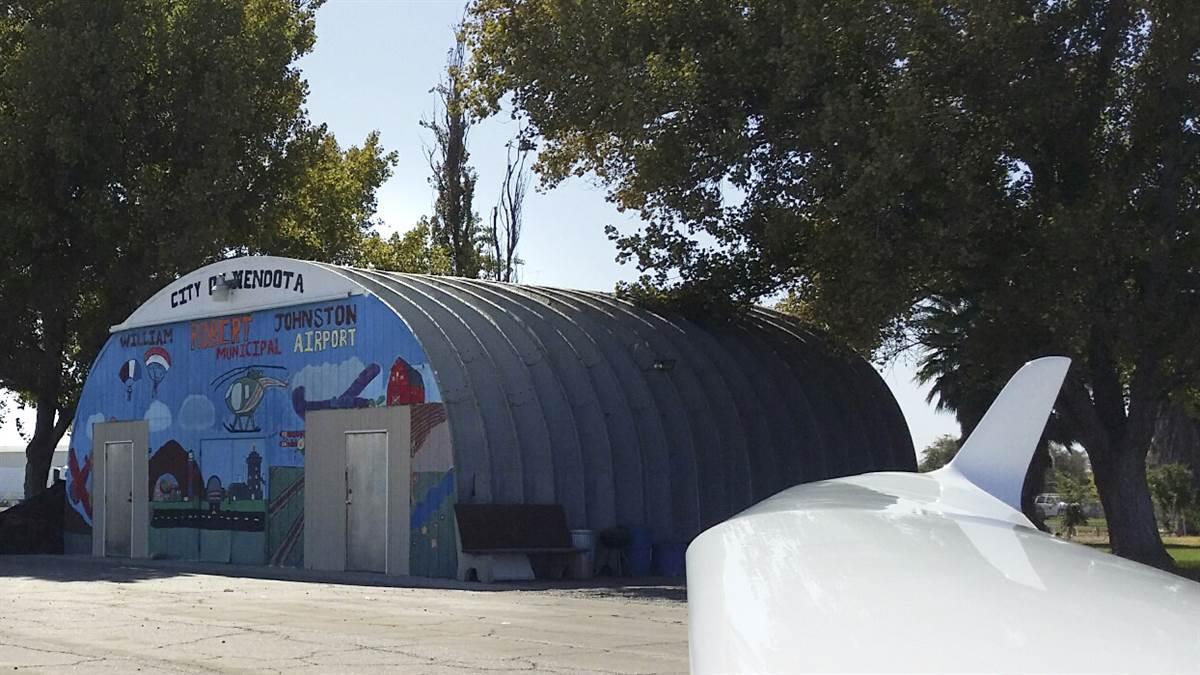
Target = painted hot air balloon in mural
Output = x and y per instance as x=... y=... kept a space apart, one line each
x=158 y=362
x=131 y=371
x=247 y=387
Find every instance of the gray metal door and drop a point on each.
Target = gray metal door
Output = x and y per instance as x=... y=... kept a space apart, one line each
x=118 y=498
x=366 y=501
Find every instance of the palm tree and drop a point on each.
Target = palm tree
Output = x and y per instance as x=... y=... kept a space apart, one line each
x=966 y=373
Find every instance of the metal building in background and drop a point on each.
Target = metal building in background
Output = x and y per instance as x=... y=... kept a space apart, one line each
x=513 y=394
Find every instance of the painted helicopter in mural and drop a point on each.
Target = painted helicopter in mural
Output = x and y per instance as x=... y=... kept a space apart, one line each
x=248 y=386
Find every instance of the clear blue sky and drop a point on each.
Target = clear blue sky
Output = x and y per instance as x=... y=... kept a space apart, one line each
x=374 y=64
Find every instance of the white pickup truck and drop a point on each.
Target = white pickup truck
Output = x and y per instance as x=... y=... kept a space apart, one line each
x=1049 y=504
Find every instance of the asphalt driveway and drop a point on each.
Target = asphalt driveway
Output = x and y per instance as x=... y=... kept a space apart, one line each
x=70 y=614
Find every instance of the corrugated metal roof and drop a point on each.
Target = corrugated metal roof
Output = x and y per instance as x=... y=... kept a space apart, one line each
x=629 y=417
x=622 y=415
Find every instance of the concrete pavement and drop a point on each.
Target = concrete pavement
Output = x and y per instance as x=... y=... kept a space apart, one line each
x=69 y=614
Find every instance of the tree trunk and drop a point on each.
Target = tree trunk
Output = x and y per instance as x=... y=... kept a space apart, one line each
x=1035 y=479
x=51 y=421
x=1132 y=529
x=39 y=454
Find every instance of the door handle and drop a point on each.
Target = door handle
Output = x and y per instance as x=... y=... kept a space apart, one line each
x=349 y=496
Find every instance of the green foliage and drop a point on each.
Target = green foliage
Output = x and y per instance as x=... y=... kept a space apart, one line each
x=325 y=211
x=1069 y=464
x=414 y=251
x=1174 y=492
x=1074 y=489
x=1077 y=493
x=141 y=139
x=1029 y=171
x=938 y=453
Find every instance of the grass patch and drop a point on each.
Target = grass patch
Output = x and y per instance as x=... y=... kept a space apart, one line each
x=1095 y=532
x=1185 y=551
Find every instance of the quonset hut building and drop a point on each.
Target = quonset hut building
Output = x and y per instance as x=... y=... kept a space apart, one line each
x=260 y=398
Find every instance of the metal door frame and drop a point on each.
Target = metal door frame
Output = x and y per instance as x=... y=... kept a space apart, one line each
x=108 y=497
x=137 y=434
x=325 y=518
x=387 y=458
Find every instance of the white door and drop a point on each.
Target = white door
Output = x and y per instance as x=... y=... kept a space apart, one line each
x=118 y=498
x=366 y=501
x=356 y=489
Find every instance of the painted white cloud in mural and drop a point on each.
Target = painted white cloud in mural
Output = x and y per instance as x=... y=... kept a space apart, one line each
x=91 y=421
x=197 y=413
x=327 y=380
x=159 y=417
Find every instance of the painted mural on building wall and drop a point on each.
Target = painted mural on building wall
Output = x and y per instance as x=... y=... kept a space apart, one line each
x=226 y=399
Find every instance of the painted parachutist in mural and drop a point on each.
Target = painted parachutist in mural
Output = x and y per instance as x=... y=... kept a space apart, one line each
x=158 y=362
x=247 y=387
x=131 y=371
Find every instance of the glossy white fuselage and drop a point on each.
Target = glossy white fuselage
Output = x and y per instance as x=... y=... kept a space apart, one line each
x=901 y=572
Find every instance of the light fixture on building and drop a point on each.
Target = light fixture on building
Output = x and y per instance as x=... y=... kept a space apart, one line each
x=222 y=289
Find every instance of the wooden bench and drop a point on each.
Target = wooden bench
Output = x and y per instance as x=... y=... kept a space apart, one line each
x=512 y=542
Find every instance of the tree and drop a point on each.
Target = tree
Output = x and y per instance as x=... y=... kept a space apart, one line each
x=509 y=213
x=1076 y=493
x=326 y=209
x=142 y=138
x=938 y=453
x=966 y=369
x=1177 y=437
x=1069 y=463
x=414 y=251
x=455 y=223
x=1175 y=493
x=1036 y=162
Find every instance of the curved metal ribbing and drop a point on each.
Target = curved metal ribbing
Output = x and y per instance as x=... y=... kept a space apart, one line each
x=797 y=419
x=712 y=414
x=592 y=388
x=657 y=479
x=887 y=431
x=718 y=407
x=562 y=453
x=768 y=407
x=751 y=438
x=854 y=452
x=467 y=430
x=628 y=417
x=833 y=450
x=676 y=390
x=504 y=447
x=627 y=424
x=496 y=333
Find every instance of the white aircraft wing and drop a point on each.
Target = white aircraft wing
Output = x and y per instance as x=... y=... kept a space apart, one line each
x=937 y=572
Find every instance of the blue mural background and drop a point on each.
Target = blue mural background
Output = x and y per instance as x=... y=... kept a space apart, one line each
x=225 y=400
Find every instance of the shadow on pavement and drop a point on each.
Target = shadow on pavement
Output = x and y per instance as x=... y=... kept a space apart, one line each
x=70 y=568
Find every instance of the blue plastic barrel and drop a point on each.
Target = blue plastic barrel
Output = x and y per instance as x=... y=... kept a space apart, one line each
x=641 y=552
x=669 y=559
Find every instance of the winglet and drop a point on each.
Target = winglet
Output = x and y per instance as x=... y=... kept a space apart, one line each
x=996 y=456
